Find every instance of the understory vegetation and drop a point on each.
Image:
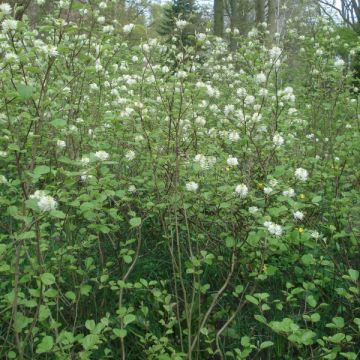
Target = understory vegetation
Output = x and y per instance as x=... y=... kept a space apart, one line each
x=174 y=198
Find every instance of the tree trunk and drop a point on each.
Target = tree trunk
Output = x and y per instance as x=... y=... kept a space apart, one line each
x=219 y=17
x=259 y=11
x=271 y=17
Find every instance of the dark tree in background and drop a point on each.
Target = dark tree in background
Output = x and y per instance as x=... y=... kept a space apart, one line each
x=180 y=10
x=219 y=17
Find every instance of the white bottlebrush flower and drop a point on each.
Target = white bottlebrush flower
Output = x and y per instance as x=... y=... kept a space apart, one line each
x=253 y=209
x=249 y=100
x=241 y=92
x=298 y=215
x=232 y=161
x=85 y=160
x=200 y=36
x=5 y=8
x=3 y=179
x=241 y=190
x=200 y=121
x=101 y=19
x=61 y=144
x=130 y=155
x=268 y=190
x=180 y=24
x=301 y=174
x=128 y=28
x=11 y=57
x=108 y=29
x=278 y=140
x=192 y=186
x=315 y=235
x=233 y=136
x=289 y=193
x=275 y=52
x=260 y=78
x=85 y=177
x=132 y=189
x=45 y=202
x=274 y=229
x=52 y=51
x=263 y=92
x=3 y=153
x=339 y=63
x=9 y=25
x=101 y=155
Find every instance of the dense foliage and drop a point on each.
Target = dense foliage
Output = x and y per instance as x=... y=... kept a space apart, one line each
x=164 y=201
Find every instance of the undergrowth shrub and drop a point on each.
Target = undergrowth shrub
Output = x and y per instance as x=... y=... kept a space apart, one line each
x=176 y=202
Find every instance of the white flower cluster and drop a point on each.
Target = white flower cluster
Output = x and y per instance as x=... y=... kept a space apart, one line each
x=273 y=229
x=45 y=202
x=130 y=155
x=301 y=174
x=205 y=162
x=5 y=8
x=299 y=215
x=180 y=24
x=192 y=186
x=278 y=140
x=232 y=161
x=101 y=155
x=289 y=193
x=128 y=28
x=9 y=25
x=241 y=190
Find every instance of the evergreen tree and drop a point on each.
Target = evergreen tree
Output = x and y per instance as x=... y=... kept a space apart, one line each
x=180 y=10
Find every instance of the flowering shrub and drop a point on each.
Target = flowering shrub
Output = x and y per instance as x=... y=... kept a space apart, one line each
x=166 y=202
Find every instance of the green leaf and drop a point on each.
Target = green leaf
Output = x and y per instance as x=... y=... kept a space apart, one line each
x=354 y=274
x=85 y=290
x=4 y=267
x=25 y=92
x=27 y=235
x=90 y=341
x=252 y=299
x=136 y=221
x=337 y=338
x=266 y=344
x=229 y=242
x=308 y=259
x=58 y=123
x=44 y=312
x=90 y=324
x=316 y=199
x=260 y=318
x=127 y=259
x=70 y=295
x=46 y=345
x=41 y=170
x=47 y=278
x=311 y=301
x=349 y=355
x=121 y=333
x=11 y=355
x=129 y=318
x=57 y=214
